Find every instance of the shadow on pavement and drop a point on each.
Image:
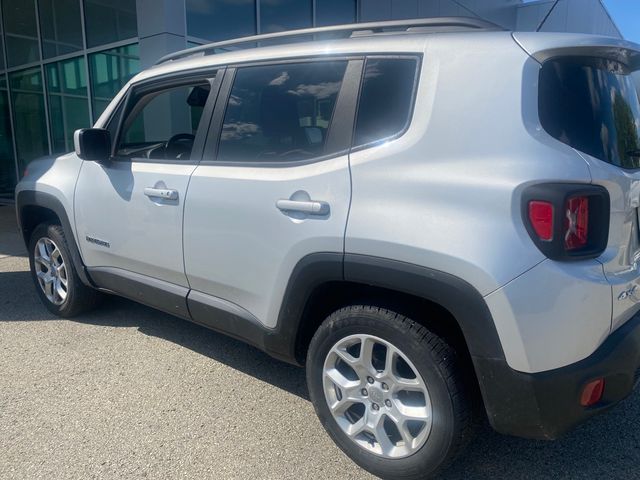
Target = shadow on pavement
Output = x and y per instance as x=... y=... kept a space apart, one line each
x=19 y=302
x=10 y=242
x=608 y=446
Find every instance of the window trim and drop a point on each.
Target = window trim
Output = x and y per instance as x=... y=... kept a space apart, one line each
x=418 y=58
x=345 y=103
x=213 y=76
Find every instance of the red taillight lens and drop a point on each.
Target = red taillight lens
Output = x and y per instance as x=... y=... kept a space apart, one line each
x=576 y=223
x=541 y=218
x=567 y=222
x=592 y=393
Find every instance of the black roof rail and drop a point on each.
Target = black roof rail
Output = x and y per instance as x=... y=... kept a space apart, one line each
x=354 y=29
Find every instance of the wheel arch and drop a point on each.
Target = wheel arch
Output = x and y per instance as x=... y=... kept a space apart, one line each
x=34 y=208
x=323 y=283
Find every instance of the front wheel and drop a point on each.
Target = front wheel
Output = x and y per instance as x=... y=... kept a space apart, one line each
x=389 y=392
x=57 y=283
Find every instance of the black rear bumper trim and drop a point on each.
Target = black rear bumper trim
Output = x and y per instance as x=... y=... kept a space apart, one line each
x=546 y=405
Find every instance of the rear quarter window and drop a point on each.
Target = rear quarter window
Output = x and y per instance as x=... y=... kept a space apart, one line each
x=386 y=99
x=591 y=104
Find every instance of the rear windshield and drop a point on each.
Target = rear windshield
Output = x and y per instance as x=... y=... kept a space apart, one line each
x=592 y=105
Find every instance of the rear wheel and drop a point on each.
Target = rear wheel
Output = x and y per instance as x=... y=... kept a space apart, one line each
x=389 y=392
x=54 y=274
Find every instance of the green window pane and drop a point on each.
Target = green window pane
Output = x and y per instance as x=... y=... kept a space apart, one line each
x=21 y=32
x=60 y=27
x=276 y=16
x=221 y=19
x=110 y=21
x=29 y=117
x=68 y=102
x=7 y=163
x=334 y=12
x=109 y=72
x=2 y=63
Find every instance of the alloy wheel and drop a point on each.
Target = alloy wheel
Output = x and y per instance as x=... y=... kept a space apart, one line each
x=377 y=396
x=51 y=271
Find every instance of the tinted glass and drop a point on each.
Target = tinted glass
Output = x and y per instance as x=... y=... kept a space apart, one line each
x=29 y=118
x=280 y=112
x=334 y=12
x=109 y=71
x=162 y=125
x=592 y=105
x=68 y=102
x=2 y=63
x=110 y=21
x=221 y=19
x=60 y=27
x=21 y=32
x=7 y=162
x=386 y=99
x=278 y=15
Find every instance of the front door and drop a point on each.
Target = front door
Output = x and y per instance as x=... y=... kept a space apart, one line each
x=129 y=211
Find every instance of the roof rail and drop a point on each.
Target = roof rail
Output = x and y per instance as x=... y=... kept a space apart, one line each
x=421 y=24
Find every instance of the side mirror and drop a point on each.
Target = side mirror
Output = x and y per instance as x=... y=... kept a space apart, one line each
x=93 y=144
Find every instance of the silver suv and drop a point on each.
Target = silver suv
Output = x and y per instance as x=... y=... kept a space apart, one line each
x=439 y=219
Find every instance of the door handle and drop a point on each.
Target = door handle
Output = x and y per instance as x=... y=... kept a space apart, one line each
x=309 y=207
x=164 y=193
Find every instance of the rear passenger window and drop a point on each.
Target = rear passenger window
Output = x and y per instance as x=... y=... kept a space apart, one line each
x=386 y=99
x=280 y=113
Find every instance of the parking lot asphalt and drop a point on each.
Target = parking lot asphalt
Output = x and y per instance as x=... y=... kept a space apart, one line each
x=129 y=392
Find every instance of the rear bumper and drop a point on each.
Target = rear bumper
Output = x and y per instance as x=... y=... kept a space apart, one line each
x=546 y=405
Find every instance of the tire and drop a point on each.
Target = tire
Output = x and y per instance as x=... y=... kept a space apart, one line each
x=68 y=300
x=431 y=445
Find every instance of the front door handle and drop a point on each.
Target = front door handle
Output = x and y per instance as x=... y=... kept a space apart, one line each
x=309 y=207
x=163 y=193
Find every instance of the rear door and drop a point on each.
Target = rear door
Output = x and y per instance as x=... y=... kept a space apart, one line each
x=274 y=182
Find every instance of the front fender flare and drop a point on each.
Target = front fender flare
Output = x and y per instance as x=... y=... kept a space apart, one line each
x=30 y=198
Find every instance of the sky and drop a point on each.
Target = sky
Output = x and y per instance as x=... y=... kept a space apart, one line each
x=626 y=14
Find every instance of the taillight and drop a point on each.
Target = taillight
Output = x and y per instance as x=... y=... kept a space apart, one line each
x=576 y=223
x=541 y=218
x=567 y=221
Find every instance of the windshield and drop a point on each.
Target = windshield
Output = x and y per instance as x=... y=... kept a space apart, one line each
x=592 y=105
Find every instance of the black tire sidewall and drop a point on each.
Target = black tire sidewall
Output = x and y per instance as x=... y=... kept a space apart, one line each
x=436 y=450
x=54 y=233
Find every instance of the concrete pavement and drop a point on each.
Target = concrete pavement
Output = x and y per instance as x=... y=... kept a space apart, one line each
x=129 y=392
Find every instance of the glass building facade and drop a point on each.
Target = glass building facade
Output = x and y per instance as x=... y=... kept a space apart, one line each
x=62 y=61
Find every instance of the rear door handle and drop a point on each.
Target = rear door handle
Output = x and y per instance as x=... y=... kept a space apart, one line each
x=164 y=193
x=310 y=207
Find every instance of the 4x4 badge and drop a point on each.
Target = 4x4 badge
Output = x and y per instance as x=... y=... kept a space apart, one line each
x=628 y=293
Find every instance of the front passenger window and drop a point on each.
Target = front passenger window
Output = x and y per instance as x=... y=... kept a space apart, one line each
x=163 y=124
